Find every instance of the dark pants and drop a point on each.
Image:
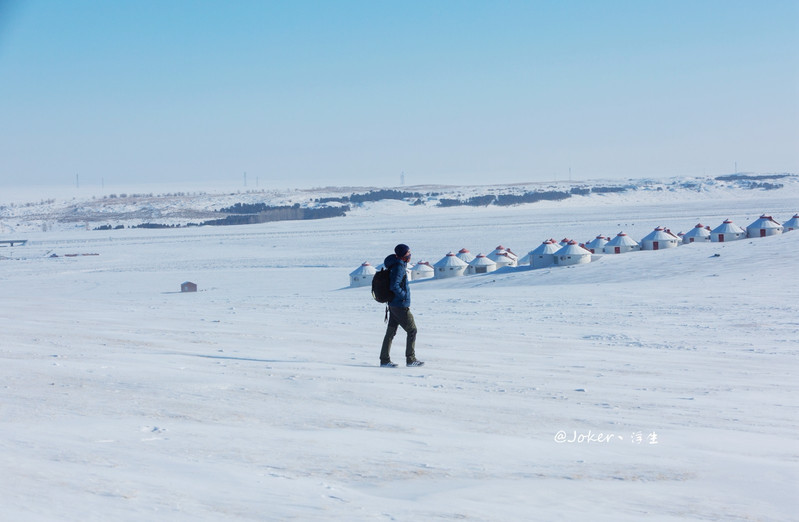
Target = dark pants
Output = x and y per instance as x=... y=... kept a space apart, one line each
x=399 y=316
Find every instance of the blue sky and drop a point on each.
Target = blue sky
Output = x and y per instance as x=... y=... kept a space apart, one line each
x=315 y=93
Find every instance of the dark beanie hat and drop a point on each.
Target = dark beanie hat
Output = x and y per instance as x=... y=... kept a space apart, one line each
x=401 y=250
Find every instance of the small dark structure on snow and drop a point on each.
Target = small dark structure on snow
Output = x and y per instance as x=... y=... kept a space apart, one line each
x=188 y=286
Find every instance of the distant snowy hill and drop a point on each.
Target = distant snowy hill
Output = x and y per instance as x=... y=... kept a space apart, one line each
x=91 y=209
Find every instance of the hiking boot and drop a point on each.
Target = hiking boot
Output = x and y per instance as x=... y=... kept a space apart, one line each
x=413 y=363
x=388 y=364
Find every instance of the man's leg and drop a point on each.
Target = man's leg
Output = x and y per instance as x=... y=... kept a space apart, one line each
x=405 y=320
x=391 y=331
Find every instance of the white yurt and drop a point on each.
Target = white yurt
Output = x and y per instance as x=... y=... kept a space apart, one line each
x=764 y=226
x=450 y=266
x=422 y=270
x=503 y=257
x=620 y=244
x=362 y=276
x=659 y=239
x=727 y=231
x=464 y=255
x=597 y=244
x=699 y=234
x=678 y=237
x=543 y=255
x=481 y=265
x=791 y=224
x=572 y=254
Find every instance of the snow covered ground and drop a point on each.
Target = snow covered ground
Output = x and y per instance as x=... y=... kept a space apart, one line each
x=651 y=385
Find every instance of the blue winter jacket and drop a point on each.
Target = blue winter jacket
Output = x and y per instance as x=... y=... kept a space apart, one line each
x=398 y=281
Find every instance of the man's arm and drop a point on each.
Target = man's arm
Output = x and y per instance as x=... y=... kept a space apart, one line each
x=397 y=274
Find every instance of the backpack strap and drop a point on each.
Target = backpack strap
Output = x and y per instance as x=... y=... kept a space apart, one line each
x=386 y=318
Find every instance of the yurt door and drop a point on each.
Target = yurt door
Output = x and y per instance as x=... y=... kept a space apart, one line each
x=655 y=245
x=721 y=238
x=617 y=250
x=762 y=232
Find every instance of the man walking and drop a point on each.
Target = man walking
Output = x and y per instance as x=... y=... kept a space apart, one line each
x=399 y=308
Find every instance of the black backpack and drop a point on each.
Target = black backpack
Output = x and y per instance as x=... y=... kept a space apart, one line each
x=380 y=287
